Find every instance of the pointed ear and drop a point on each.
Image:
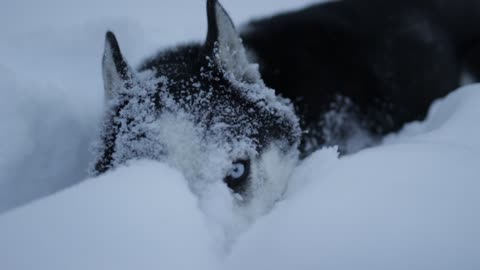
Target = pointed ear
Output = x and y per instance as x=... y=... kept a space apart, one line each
x=117 y=74
x=225 y=45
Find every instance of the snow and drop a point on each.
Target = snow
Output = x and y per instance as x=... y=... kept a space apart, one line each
x=410 y=203
x=127 y=219
x=43 y=143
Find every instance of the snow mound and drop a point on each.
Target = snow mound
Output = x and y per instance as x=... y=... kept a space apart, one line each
x=453 y=121
x=410 y=204
x=138 y=217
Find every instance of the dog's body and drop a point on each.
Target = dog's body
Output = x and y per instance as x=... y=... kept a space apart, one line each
x=386 y=60
x=345 y=68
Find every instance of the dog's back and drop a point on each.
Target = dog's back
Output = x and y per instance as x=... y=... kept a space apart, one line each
x=382 y=62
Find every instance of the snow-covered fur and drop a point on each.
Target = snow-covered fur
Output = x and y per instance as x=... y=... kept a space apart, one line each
x=204 y=109
x=341 y=70
x=369 y=65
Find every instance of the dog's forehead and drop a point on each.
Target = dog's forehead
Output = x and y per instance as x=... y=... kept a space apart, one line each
x=225 y=107
x=229 y=111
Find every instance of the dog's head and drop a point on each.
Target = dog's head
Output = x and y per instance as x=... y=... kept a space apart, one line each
x=204 y=109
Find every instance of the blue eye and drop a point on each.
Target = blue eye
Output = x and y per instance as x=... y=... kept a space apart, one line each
x=238 y=170
x=237 y=177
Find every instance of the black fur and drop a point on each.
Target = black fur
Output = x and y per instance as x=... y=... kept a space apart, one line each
x=186 y=65
x=390 y=58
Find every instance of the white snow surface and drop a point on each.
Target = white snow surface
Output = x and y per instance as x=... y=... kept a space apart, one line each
x=410 y=203
x=95 y=226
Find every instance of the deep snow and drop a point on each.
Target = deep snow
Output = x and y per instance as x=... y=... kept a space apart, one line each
x=410 y=203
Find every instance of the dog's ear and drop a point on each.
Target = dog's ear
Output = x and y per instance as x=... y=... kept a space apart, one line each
x=117 y=74
x=225 y=45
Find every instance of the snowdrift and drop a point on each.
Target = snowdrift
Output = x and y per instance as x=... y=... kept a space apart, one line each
x=410 y=204
x=141 y=217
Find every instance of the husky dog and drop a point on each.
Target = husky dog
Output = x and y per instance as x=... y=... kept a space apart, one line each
x=203 y=108
x=340 y=70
